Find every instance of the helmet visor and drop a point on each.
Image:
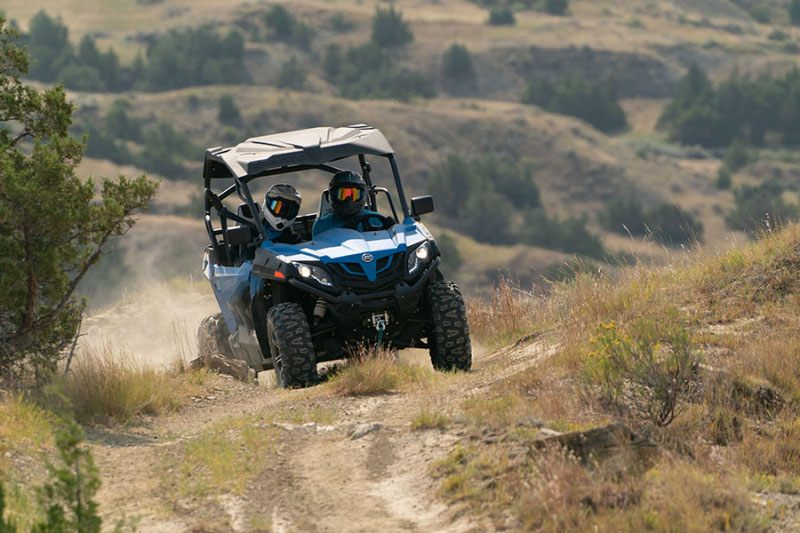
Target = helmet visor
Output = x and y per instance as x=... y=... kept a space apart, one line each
x=283 y=208
x=348 y=192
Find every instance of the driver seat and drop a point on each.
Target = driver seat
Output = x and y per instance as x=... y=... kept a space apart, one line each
x=324 y=204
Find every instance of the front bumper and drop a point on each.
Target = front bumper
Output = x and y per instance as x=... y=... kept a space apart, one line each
x=402 y=300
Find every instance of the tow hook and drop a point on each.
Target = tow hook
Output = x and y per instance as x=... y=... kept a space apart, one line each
x=379 y=321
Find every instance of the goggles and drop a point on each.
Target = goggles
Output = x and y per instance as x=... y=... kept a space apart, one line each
x=348 y=193
x=283 y=208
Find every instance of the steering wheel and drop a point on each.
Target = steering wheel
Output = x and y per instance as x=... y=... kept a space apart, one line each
x=374 y=222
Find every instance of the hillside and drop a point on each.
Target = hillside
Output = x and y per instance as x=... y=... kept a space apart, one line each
x=387 y=444
x=643 y=48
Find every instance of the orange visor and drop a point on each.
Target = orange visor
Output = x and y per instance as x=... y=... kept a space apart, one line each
x=349 y=193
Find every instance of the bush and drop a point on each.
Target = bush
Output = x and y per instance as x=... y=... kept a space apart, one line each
x=164 y=151
x=673 y=226
x=760 y=207
x=285 y=27
x=501 y=16
x=120 y=124
x=389 y=29
x=194 y=56
x=458 y=71
x=228 y=112
x=794 y=12
x=291 y=75
x=737 y=156
x=724 y=179
x=624 y=214
x=646 y=369
x=596 y=103
x=367 y=71
x=556 y=7
x=566 y=235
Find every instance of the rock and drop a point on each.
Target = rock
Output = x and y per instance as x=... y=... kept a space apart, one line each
x=361 y=430
x=266 y=378
x=615 y=441
x=235 y=368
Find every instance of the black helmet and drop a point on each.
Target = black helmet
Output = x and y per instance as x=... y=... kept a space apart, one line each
x=348 y=193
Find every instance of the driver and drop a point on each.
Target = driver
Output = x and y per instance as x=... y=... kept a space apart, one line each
x=347 y=192
x=280 y=208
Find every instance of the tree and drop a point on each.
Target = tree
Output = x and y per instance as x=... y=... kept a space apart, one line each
x=501 y=15
x=794 y=12
x=54 y=226
x=228 y=112
x=48 y=42
x=389 y=29
x=286 y=27
x=458 y=71
x=556 y=7
x=291 y=75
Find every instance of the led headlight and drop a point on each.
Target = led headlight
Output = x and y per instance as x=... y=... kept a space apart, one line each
x=418 y=257
x=314 y=273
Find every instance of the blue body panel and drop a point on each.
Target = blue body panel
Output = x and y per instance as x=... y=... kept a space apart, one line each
x=333 y=246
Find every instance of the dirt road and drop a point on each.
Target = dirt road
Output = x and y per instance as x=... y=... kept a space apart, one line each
x=331 y=464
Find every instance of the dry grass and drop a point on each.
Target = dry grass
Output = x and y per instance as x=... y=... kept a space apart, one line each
x=428 y=418
x=508 y=314
x=369 y=373
x=109 y=385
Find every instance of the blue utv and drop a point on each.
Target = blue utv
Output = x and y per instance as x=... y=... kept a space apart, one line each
x=381 y=287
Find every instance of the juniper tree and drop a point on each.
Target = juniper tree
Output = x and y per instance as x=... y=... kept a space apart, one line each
x=54 y=225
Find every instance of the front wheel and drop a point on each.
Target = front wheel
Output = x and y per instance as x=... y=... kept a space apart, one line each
x=292 y=349
x=449 y=341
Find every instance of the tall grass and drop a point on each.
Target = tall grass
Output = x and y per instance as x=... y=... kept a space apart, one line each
x=369 y=373
x=507 y=314
x=108 y=384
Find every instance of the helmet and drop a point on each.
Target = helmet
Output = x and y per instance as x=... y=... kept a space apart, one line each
x=281 y=205
x=347 y=192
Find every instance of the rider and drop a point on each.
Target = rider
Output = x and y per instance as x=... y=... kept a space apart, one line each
x=281 y=206
x=347 y=192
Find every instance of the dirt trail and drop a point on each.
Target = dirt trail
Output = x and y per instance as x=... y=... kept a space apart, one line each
x=320 y=477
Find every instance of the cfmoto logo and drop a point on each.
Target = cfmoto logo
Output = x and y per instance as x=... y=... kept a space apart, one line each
x=367 y=258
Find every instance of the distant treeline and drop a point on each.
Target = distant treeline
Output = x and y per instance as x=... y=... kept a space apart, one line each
x=760 y=111
x=497 y=201
x=178 y=58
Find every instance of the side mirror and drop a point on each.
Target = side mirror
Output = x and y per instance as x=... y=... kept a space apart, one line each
x=421 y=205
x=238 y=235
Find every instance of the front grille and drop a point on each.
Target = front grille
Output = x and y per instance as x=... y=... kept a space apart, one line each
x=351 y=276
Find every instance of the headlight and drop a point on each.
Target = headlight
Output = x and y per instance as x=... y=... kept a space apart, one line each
x=314 y=273
x=419 y=257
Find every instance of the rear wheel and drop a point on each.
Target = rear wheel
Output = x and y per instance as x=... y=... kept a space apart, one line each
x=449 y=341
x=292 y=349
x=212 y=337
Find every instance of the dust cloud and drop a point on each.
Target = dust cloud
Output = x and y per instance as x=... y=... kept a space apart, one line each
x=153 y=324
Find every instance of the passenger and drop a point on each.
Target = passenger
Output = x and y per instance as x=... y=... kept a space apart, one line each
x=280 y=208
x=347 y=192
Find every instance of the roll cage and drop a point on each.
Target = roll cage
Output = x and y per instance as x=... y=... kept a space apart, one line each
x=282 y=154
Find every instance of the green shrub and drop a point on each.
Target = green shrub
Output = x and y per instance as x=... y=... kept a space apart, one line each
x=556 y=7
x=760 y=207
x=458 y=72
x=645 y=369
x=389 y=29
x=724 y=179
x=292 y=75
x=120 y=124
x=596 y=103
x=228 y=112
x=672 y=225
x=68 y=498
x=6 y=526
x=285 y=27
x=367 y=71
x=737 y=156
x=624 y=214
x=794 y=12
x=501 y=15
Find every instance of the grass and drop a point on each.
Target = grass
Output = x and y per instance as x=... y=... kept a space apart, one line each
x=108 y=385
x=221 y=459
x=369 y=374
x=505 y=316
x=429 y=419
x=736 y=429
